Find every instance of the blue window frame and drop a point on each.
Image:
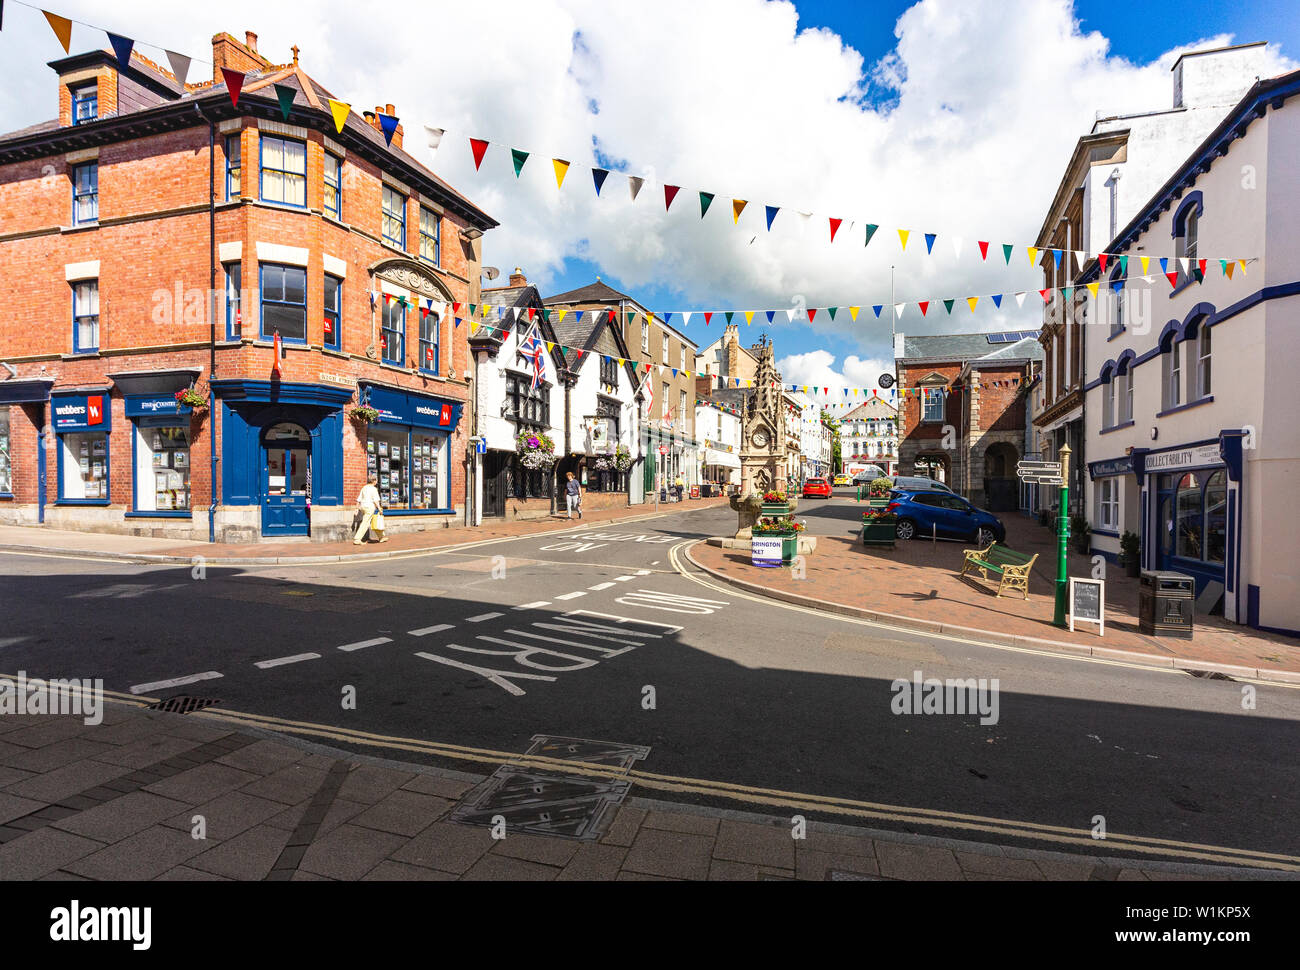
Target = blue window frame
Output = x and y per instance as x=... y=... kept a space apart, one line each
x=284 y=303
x=394 y=218
x=430 y=327
x=284 y=171
x=83 y=468
x=392 y=336
x=85 y=317
x=333 y=201
x=234 y=166
x=430 y=236
x=85 y=104
x=85 y=194
x=234 y=301
x=332 y=332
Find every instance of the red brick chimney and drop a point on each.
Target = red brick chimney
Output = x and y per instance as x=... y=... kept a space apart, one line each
x=517 y=278
x=372 y=119
x=228 y=52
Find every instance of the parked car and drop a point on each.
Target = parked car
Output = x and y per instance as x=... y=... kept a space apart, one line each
x=841 y=480
x=816 y=486
x=919 y=483
x=941 y=513
x=869 y=475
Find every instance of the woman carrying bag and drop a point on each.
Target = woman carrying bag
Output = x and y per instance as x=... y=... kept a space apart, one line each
x=369 y=512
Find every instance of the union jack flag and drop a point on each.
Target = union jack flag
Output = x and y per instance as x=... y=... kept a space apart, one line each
x=532 y=348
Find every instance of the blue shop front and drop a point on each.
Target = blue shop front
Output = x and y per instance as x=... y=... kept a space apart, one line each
x=408 y=449
x=282 y=456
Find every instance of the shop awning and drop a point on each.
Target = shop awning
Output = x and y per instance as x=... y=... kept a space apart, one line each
x=723 y=458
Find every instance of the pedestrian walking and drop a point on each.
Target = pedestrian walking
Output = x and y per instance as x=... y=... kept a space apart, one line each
x=573 y=494
x=680 y=485
x=370 y=515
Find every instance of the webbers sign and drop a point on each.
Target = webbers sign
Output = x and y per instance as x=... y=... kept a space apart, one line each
x=82 y=412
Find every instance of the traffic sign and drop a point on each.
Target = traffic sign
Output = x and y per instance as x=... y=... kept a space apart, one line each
x=1053 y=466
x=663 y=449
x=1046 y=480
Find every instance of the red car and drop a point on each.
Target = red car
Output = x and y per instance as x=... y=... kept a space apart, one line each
x=817 y=486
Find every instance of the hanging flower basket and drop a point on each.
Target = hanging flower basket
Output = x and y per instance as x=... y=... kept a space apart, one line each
x=191 y=398
x=535 y=451
x=365 y=414
x=622 y=459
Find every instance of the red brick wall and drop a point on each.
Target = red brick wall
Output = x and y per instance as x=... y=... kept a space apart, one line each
x=1001 y=403
x=909 y=412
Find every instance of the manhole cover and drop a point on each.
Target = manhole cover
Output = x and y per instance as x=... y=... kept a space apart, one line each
x=183 y=704
x=544 y=803
x=610 y=753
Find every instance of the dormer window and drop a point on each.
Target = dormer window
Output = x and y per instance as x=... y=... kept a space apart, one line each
x=85 y=103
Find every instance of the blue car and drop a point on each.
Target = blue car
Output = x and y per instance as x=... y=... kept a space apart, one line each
x=941 y=513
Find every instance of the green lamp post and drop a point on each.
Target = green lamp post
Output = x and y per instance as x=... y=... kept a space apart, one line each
x=1062 y=538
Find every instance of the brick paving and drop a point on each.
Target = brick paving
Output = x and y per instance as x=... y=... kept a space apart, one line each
x=281 y=809
x=917 y=584
x=35 y=539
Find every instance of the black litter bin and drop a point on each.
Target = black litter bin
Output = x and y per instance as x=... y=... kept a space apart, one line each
x=1165 y=602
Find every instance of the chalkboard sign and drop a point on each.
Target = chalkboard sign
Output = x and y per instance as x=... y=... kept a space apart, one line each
x=1088 y=603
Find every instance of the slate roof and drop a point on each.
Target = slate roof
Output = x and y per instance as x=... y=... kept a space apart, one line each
x=1027 y=349
x=955 y=347
x=597 y=292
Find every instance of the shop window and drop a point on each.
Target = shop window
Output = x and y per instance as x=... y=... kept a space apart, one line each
x=83 y=475
x=430 y=327
x=333 y=201
x=1216 y=516
x=234 y=166
x=410 y=468
x=85 y=317
x=1188 y=525
x=284 y=171
x=394 y=218
x=6 y=462
x=85 y=104
x=430 y=236
x=331 y=333
x=85 y=194
x=162 y=471
x=234 y=301
x=284 y=303
x=392 y=334
x=1108 y=503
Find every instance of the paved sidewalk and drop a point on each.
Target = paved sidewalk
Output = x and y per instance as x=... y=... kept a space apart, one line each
x=147 y=549
x=119 y=801
x=917 y=585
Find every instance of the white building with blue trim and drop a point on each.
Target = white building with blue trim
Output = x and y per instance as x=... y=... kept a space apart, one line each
x=1191 y=404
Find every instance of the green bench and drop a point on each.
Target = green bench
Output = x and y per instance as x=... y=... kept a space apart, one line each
x=1011 y=567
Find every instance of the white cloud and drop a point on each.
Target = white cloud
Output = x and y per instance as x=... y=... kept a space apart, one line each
x=817 y=370
x=970 y=121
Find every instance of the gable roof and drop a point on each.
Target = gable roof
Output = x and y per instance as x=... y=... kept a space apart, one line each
x=954 y=347
x=522 y=297
x=590 y=332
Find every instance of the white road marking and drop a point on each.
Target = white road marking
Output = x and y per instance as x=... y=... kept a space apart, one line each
x=623 y=579
x=482 y=616
x=279 y=661
x=498 y=677
x=175 y=682
x=367 y=643
x=571 y=596
x=672 y=602
x=533 y=606
x=600 y=586
x=644 y=572
x=431 y=629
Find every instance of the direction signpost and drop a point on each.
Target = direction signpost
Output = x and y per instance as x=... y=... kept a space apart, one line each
x=1054 y=473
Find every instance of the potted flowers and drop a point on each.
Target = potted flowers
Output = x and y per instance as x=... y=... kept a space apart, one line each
x=774 y=540
x=364 y=414
x=776 y=503
x=878 y=492
x=535 y=451
x=879 y=526
x=191 y=398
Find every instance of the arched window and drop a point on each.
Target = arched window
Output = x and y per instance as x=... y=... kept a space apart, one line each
x=1187 y=233
x=1118 y=296
x=1172 y=392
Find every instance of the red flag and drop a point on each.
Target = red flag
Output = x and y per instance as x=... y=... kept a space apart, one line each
x=234 y=83
x=670 y=193
x=924 y=306
x=984 y=250
x=812 y=312
x=478 y=146
x=1200 y=264
x=531 y=311
x=835 y=227
x=708 y=315
x=275 y=369
x=1101 y=261
x=1043 y=294
x=1173 y=278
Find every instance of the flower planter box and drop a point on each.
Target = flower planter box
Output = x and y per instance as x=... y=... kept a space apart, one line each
x=769 y=549
x=776 y=508
x=879 y=534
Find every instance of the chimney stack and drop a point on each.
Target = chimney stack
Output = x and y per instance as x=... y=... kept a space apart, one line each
x=517 y=278
x=228 y=52
x=250 y=41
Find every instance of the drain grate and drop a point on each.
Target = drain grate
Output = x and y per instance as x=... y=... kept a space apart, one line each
x=610 y=753
x=184 y=704
x=1208 y=674
x=544 y=803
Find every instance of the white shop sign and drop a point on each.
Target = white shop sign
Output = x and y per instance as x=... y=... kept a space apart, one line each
x=766 y=551
x=1196 y=457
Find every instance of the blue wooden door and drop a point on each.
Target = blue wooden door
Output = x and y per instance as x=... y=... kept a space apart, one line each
x=286 y=481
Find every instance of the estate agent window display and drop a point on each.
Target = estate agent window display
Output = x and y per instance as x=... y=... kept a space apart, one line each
x=410 y=467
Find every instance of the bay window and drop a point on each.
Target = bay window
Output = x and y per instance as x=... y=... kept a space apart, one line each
x=284 y=303
x=284 y=171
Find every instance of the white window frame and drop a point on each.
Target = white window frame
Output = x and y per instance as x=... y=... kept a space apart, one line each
x=1204 y=360
x=932 y=396
x=1108 y=404
x=665 y=350
x=645 y=336
x=1108 y=503
x=1173 y=377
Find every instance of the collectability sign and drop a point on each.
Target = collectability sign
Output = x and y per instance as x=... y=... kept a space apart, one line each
x=766 y=551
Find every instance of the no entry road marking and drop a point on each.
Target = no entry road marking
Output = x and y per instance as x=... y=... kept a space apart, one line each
x=174 y=682
x=672 y=602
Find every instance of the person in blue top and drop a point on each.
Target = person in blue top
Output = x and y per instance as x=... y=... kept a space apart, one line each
x=573 y=494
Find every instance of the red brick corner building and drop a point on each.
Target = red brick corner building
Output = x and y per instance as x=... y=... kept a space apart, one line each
x=156 y=239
